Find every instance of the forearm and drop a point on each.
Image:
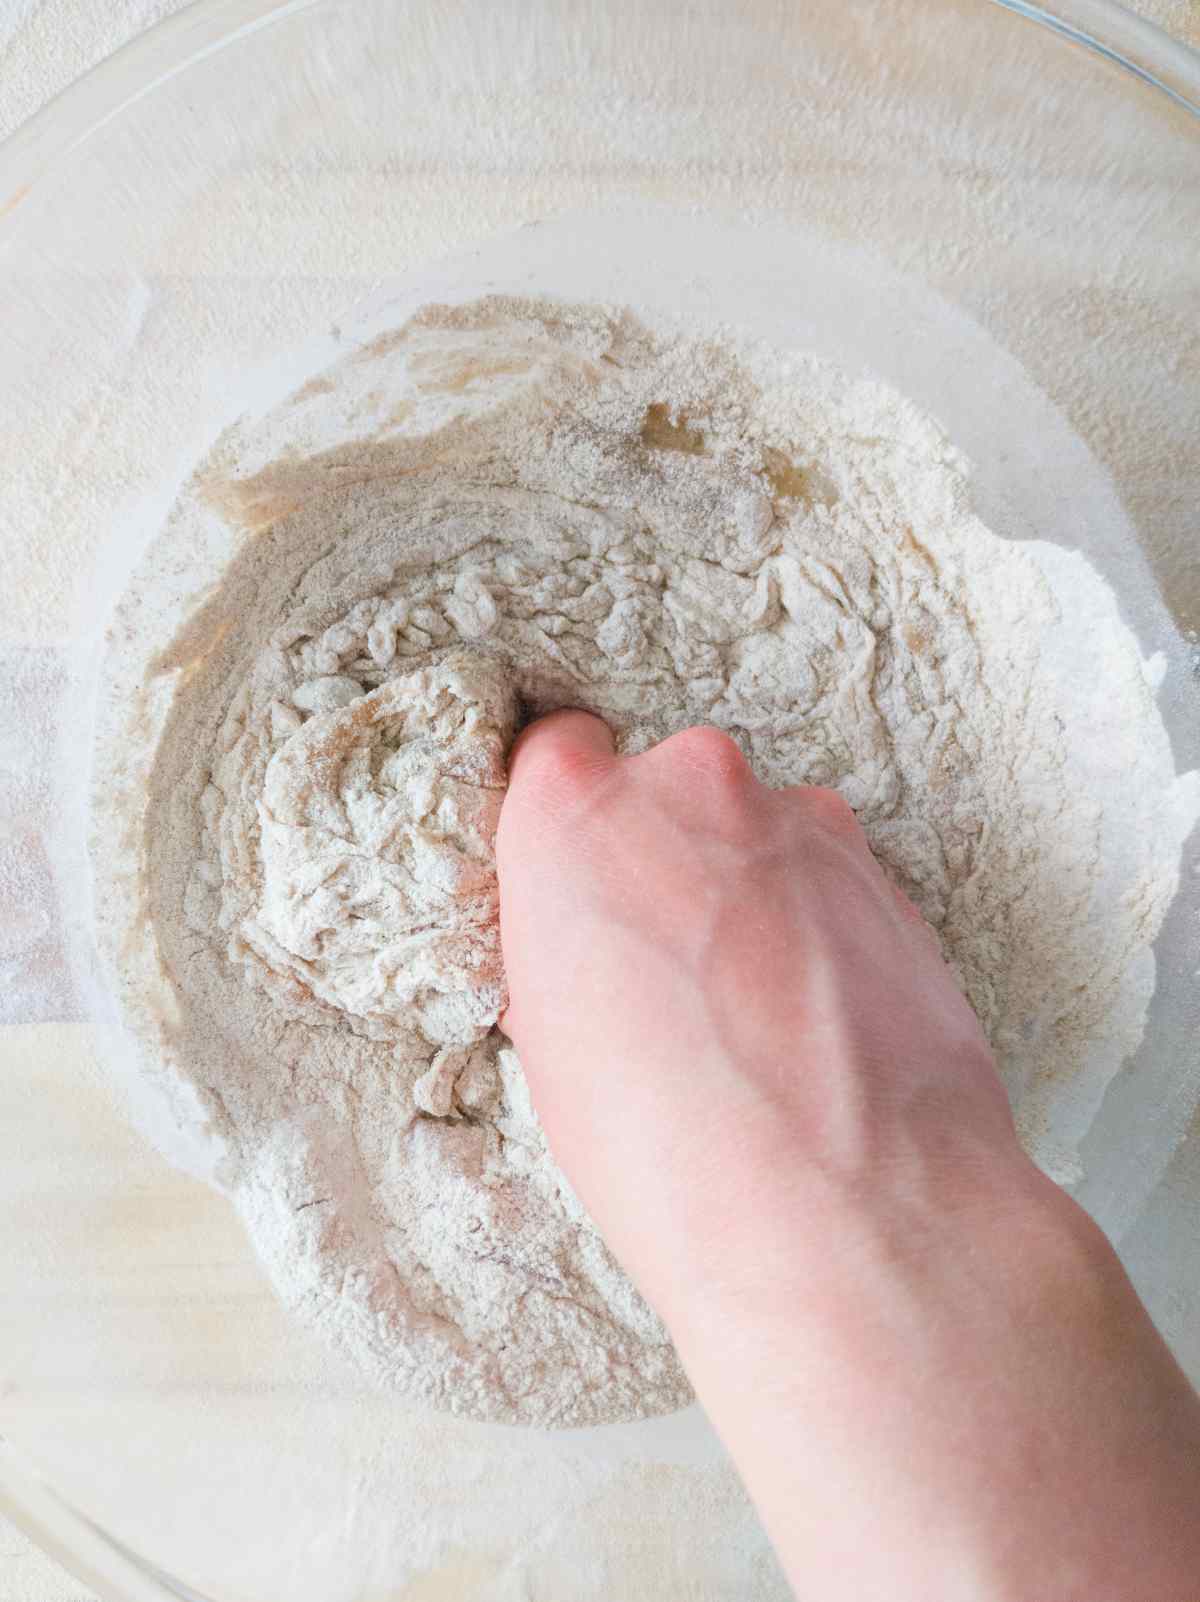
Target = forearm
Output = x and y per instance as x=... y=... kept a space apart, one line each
x=983 y=1413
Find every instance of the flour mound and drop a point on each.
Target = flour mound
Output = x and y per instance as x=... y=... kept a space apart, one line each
x=549 y=506
x=376 y=829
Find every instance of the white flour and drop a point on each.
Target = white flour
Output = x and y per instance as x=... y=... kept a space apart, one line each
x=566 y=508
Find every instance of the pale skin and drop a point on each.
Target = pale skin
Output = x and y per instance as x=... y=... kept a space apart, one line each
x=932 y=1372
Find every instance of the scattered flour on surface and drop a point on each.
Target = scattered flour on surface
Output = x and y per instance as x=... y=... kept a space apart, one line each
x=567 y=507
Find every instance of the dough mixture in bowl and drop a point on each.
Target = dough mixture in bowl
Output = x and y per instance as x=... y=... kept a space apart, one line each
x=332 y=645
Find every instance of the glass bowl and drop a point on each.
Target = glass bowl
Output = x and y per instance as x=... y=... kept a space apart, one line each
x=992 y=206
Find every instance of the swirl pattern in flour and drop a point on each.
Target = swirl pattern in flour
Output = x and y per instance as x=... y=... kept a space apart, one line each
x=506 y=507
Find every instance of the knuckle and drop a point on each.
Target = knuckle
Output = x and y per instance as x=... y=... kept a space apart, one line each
x=832 y=808
x=566 y=769
x=556 y=781
x=708 y=779
x=710 y=749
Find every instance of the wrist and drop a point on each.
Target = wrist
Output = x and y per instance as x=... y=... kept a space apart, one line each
x=779 y=1245
x=947 y=1370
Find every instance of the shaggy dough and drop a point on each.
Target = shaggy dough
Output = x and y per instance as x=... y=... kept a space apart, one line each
x=377 y=827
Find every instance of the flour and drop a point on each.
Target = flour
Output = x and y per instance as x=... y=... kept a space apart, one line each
x=567 y=508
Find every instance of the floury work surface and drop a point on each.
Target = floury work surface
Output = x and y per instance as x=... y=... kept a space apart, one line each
x=193 y=1406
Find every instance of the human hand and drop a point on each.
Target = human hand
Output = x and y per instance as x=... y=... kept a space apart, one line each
x=725 y=1010
x=755 y=1068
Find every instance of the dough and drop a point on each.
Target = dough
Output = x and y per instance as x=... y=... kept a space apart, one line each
x=377 y=824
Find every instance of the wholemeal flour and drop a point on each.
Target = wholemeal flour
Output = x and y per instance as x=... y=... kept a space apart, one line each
x=570 y=508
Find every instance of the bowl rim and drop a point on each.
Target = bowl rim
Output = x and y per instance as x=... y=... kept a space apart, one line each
x=152 y=59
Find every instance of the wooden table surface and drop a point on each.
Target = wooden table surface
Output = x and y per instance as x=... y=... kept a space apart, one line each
x=44 y=45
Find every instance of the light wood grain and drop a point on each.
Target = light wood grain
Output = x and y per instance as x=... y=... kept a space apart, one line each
x=161 y=1249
